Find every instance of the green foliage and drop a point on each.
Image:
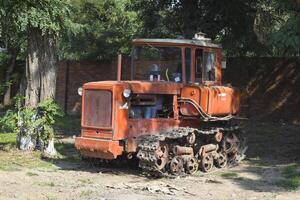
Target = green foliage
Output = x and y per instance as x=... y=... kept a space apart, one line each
x=6 y=84
x=227 y=22
x=244 y=28
x=98 y=30
x=3 y=61
x=37 y=122
x=102 y=29
x=153 y=18
x=286 y=35
x=277 y=24
x=48 y=112
x=18 y=17
x=3 y=64
x=8 y=122
x=48 y=16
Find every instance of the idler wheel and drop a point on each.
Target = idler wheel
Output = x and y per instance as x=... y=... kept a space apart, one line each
x=176 y=165
x=221 y=161
x=161 y=155
x=207 y=163
x=191 y=165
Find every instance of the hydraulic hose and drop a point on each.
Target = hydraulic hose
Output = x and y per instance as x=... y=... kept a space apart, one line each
x=202 y=113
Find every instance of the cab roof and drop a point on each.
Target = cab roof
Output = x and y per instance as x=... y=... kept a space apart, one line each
x=176 y=42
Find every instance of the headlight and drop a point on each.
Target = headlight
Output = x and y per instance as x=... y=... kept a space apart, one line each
x=127 y=93
x=79 y=91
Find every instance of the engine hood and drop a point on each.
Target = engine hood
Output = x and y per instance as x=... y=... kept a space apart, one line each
x=147 y=87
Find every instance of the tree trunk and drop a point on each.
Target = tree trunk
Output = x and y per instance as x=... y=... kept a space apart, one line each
x=40 y=67
x=40 y=72
x=10 y=69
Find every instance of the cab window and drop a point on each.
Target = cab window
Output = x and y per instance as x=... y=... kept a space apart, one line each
x=165 y=63
x=209 y=71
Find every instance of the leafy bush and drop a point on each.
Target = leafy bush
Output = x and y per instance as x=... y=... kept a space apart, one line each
x=45 y=117
x=8 y=122
x=37 y=123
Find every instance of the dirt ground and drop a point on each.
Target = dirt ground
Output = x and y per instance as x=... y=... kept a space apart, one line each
x=273 y=151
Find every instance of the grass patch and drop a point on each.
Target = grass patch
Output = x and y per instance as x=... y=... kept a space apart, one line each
x=229 y=175
x=7 y=141
x=292 y=177
x=16 y=160
x=12 y=159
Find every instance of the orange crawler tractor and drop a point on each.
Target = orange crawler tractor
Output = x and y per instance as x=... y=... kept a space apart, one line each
x=174 y=115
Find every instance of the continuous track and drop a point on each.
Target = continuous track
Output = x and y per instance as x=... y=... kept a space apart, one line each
x=181 y=151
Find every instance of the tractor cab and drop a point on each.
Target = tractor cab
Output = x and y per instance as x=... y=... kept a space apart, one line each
x=177 y=60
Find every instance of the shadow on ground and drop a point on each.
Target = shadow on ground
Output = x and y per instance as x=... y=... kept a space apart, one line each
x=70 y=159
x=272 y=162
x=273 y=159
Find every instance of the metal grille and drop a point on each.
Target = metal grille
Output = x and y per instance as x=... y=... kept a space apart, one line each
x=97 y=108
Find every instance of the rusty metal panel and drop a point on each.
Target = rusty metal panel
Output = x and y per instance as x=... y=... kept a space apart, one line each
x=97 y=148
x=97 y=108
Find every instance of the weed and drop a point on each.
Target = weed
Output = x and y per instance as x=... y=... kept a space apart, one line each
x=229 y=175
x=292 y=177
x=86 y=193
x=31 y=174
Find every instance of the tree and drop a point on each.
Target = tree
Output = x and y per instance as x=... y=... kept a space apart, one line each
x=12 y=39
x=153 y=18
x=102 y=29
x=44 y=20
x=285 y=37
x=39 y=22
x=228 y=22
x=277 y=25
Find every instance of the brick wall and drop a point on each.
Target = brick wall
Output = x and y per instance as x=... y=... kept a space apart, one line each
x=73 y=74
x=270 y=86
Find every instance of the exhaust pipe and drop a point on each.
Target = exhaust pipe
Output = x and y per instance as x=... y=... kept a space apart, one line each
x=119 y=67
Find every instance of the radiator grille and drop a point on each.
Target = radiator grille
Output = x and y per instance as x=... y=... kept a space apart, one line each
x=97 y=108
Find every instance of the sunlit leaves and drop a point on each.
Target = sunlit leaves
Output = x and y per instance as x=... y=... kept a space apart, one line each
x=102 y=29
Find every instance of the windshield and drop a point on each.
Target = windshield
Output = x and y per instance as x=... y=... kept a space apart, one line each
x=157 y=63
